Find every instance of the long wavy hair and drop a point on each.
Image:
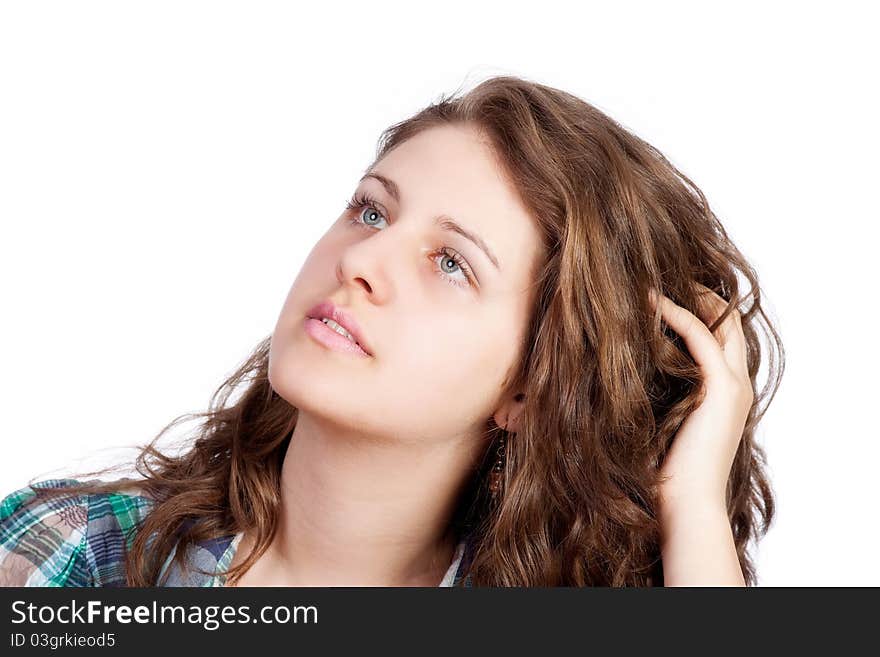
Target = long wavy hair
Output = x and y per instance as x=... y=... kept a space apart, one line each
x=607 y=383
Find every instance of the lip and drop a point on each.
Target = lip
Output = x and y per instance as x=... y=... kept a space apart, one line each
x=344 y=319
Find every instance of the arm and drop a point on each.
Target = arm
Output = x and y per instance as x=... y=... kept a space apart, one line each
x=697 y=545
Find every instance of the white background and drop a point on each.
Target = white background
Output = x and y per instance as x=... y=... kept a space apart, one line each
x=166 y=166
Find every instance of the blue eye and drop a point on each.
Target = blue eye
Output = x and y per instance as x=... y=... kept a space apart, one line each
x=367 y=213
x=451 y=258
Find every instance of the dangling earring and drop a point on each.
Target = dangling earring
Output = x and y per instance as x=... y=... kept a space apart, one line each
x=495 y=475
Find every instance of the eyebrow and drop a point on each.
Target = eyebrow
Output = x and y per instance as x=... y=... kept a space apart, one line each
x=443 y=221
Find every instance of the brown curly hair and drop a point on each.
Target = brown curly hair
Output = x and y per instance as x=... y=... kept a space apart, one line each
x=607 y=383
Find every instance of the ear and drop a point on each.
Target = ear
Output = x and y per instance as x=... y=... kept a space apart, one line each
x=507 y=415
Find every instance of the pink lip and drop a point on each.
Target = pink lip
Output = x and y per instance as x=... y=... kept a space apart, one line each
x=331 y=338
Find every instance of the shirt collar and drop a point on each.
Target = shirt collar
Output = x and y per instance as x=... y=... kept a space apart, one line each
x=209 y=561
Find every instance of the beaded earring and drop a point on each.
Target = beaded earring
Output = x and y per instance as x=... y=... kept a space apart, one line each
x=497 y=471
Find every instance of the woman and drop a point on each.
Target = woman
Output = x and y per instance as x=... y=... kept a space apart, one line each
x=516 y=358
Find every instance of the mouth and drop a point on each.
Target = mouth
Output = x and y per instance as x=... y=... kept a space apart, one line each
x=341 y=323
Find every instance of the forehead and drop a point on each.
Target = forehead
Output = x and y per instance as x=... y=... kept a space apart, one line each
x=451 y=170
x=452 y=159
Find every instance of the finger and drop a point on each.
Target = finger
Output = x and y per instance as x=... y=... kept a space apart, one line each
x=731 y=336
x=701 y=344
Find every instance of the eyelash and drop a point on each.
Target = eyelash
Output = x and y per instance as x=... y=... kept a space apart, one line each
x=363 y=200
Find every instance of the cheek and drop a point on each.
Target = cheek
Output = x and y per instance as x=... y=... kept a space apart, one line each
x=452 y=363
x=316 y=275
x=322 y=258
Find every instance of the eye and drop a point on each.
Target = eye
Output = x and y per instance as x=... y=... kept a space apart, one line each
x=367 y=210
x=362 y=201
x=452 y=259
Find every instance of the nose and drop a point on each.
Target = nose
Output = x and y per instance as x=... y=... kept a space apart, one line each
x=343 y=278
x=367 y=263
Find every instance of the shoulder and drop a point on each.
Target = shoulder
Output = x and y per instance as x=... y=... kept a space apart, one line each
x=52 y=536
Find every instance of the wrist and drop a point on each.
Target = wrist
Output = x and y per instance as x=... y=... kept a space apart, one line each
x=677 y=501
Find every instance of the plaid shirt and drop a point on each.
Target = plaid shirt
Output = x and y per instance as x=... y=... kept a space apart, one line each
x=80 y=540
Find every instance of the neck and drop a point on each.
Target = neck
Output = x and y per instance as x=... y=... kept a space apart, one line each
x=359 y=510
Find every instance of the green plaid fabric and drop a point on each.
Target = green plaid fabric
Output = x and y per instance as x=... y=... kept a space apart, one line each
x=81 y=539
x=66 y=540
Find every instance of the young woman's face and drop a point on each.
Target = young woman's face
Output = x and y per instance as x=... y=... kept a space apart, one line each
x=443 y=322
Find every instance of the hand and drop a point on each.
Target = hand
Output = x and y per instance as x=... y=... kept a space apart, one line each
x=698 y=463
